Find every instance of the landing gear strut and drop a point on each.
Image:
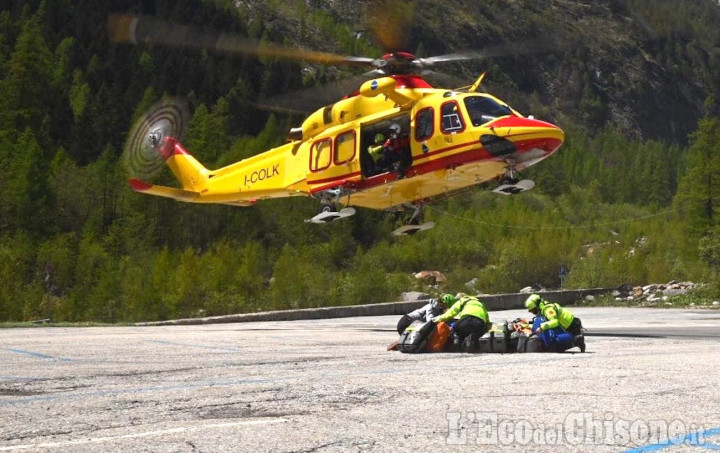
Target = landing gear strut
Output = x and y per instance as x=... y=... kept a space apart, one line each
x=415 y=223
x=510 y=185
x=328 y=211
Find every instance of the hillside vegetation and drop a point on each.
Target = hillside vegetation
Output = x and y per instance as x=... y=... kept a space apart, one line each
x=629 y=199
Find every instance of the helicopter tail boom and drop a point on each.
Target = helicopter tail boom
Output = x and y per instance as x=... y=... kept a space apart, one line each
x=262 y=179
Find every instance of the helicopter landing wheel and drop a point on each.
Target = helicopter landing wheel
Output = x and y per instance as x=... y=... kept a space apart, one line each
x=409 y=230
x=507 y=180
x=328 y=213
x=415 y=223
x=514 y=187
x=327 y=208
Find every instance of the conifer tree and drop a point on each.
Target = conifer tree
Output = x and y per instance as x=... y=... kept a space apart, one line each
x=700 y=187
x=28 y=86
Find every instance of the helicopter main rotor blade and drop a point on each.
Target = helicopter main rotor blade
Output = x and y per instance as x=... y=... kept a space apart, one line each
x=442 y=79
x=503 y=50
x=310 y=99
x=127 y=28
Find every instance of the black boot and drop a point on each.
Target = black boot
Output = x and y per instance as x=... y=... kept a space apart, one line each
x=579 y=341
x=471 y=344
x=455 y=343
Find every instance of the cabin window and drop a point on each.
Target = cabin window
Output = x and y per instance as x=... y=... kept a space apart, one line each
x=452 y=121
x=321 y=155
x=424 y=124
x=483 y=109
x=344 y=147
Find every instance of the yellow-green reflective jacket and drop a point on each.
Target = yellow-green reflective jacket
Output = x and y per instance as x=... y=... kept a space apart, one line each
x=375 y=152
x=556 y=316
x=466 y=306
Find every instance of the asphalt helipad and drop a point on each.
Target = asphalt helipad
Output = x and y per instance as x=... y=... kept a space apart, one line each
x=648 y=382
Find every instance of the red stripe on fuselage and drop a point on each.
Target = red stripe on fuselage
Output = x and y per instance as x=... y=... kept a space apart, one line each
x=335 y=181
x=452 y=148
x=478 y=153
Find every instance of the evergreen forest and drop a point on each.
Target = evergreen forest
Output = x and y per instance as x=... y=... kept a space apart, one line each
x=631 y=198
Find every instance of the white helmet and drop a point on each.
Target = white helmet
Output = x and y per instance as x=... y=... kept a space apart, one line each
x=394 y=128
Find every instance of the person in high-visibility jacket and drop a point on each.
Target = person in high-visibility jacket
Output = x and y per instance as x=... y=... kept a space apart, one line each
x=556 y=317
x=378 y=153
x=471 y=323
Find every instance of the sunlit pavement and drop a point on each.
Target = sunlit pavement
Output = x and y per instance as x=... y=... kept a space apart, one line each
x=649 y=380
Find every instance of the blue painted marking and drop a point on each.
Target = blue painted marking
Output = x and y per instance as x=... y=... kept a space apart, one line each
x=695 y=439
x=36 y=354
x=374 y=85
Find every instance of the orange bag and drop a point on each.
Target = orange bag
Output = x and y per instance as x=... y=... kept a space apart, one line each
x=439 y=339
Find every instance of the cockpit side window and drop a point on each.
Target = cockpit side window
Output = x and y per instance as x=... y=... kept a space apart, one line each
x=483 y=109
x=452 y=121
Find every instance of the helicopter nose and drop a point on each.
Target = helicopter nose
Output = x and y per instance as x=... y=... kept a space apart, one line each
x=523 y=138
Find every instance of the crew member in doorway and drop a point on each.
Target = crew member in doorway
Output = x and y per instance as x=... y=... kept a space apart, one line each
x=377 y=153
x=397 y=150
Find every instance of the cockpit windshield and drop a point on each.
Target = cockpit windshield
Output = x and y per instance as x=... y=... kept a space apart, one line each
x=483 y=109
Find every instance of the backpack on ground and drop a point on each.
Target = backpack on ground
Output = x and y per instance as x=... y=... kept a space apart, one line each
x=527 y=343
x=439 y=340
x=496 y=340
x=415 y=337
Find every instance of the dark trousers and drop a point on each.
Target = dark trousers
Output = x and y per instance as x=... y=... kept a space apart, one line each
x=470 y=325
x=575 y=327
x=402 y=161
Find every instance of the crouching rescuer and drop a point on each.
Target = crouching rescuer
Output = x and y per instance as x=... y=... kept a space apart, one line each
x=559 y=329
x=471 y=321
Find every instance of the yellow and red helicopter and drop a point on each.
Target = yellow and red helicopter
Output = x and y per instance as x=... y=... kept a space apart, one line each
x=394 y=143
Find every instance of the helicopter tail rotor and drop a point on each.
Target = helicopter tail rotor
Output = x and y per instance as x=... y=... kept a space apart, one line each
x=153 y=142
x=166 y=118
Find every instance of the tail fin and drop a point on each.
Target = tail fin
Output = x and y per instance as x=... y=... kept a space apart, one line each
x=191 y=174
x=162 y=191
x=179 y=194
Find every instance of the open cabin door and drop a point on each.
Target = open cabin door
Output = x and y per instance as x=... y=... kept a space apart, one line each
x=334 y=160
x=382 y=146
